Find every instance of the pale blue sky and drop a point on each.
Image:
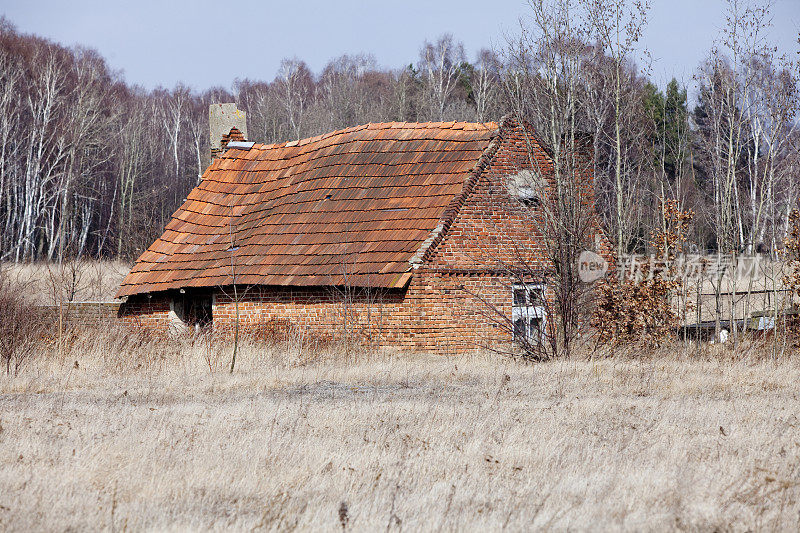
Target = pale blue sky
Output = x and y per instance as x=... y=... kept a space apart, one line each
x=204 y=43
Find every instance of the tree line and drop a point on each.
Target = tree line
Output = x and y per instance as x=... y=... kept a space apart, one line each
x=93 y=166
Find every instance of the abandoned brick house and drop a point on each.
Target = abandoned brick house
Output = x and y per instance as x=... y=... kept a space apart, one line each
x=401 y=232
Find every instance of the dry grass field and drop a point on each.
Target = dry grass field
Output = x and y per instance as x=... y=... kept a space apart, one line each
x=50 y=283
x=118 y=434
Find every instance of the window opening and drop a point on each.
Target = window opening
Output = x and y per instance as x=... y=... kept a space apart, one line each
x=198 y=312
x=528 y=197
x=528 y=312
x=528 y=187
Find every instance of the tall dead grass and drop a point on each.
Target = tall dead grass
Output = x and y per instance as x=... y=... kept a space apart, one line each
x=45 y=283
x=131 y=432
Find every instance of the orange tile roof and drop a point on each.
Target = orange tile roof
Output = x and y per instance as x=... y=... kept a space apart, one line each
x=349 y=207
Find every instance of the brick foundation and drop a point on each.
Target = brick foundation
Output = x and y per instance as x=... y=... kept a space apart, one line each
x=150 y=312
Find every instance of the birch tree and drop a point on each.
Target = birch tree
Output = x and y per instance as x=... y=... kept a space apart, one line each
x=439 y=64
x=42 y=155
x=617 y=26
x=295 y=93
x=485 y=85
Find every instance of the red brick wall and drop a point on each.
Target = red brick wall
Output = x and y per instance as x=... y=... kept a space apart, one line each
x=451 y=304
x=433 y=314
x=317 y=313
x=463 y=294
x=492 y=230
x=449 y=317
x=143 y=312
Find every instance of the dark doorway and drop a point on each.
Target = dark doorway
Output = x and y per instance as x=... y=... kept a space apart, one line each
x=194 y=310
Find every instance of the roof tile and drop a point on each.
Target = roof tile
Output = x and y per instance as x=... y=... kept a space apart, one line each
x=355 y=203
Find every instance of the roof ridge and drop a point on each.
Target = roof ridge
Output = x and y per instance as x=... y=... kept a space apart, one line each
x=478 y=126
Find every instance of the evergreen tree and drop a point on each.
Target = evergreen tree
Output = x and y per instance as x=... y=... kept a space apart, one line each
x=675 y=130
x=668 y=114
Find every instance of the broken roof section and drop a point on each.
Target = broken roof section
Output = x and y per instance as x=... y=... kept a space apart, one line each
x=351 y=207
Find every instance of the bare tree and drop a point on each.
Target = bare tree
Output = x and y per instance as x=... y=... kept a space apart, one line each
x=172 y=112
x=770 y=110
x=295 y=93
x=485 y=85
x=342 y=97
x=264 y=107
x=439 y=63
x=545 y=85
x=617 y=26
x=727 y=113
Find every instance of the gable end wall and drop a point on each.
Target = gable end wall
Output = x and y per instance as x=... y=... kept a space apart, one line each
x=459 y=290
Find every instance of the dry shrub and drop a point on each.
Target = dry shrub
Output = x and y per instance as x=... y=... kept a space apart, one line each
x=631 y=311
x=22 y=326
x=637 y=309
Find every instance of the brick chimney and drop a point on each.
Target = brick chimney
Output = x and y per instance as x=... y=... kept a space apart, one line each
x=233 y=135
x=226 y=123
